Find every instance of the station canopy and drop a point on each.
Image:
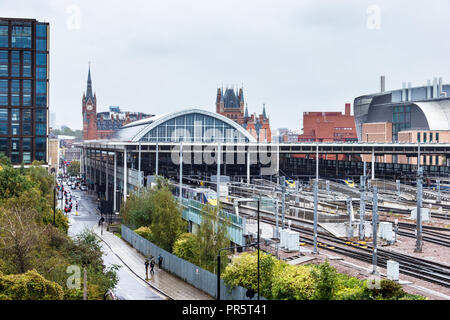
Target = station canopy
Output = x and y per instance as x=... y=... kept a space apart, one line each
x=191 y=125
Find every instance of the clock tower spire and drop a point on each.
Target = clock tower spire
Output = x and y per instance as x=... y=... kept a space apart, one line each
x=89 y=111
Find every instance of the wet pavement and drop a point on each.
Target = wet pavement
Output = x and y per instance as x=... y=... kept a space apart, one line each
x=129 y=287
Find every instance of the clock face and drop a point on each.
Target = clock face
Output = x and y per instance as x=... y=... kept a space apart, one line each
x=89 y=107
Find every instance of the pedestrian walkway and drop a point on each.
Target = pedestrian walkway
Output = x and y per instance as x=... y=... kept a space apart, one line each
x=168 y=284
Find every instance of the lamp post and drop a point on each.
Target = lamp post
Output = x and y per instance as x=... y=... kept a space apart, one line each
x=229 y=248
x=218 y=265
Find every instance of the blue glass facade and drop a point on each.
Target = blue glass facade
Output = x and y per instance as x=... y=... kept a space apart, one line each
x=23 y=89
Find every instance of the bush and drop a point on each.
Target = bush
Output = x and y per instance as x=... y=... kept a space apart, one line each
x=292 y=283
x=388 y=290
x=185 y=247
x=325 y=281
x=29 y=286
x=243 y=272
x=144 y=232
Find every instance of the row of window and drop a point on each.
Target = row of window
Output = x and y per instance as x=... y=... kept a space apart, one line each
x=21 y=35
x=21 y=122
x=424 y=137
x=342 y=128
x=15 y=147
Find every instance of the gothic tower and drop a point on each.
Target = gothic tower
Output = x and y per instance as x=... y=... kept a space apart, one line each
x=89 y=110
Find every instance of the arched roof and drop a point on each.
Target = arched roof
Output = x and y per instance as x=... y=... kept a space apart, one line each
x=437 y=113
x=136 y=130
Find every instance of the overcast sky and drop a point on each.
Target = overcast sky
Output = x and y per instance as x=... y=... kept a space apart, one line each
x=294 y=56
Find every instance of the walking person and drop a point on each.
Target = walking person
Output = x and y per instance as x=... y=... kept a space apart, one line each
x=146 y=269
x=152 y=265
x=160 y=260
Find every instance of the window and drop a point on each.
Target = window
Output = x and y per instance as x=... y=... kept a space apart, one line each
x=41 y=73
x=26 y=144
x=15 y=92
x=3 y=92
x=41 y=87
x=41 y=116
x=15 y=64
x=418 y=136
x=41 y=59
x=41 y=44
x=26 y=92
x=437 y=136
x=424 y=137
x=3 y=145
x=27 y=64
x=41 y=30
x=4 y=35
x=26 y=157
x=4 y=63
x=3 y=121
x=21 y=36
x=15 y=122
x=41 y=129
x=431 y=136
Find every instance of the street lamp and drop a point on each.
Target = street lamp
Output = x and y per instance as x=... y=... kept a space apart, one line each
x=218 y=266
x=250 y=245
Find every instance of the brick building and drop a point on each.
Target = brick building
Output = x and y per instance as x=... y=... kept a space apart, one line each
x=231 y=105
x=102 y=125
x=329 y=127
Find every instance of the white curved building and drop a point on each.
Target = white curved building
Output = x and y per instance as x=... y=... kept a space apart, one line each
x=190 y=125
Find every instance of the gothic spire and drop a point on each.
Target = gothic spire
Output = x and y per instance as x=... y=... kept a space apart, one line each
x=264 y=111
x=89 y=85
x=246 y=111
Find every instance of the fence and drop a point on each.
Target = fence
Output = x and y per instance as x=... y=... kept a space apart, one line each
x=192 y=274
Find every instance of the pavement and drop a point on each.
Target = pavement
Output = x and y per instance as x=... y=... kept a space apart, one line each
x=132 y=279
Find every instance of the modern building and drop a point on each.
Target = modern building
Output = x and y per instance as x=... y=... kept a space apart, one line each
x=384 y=116
x=24 y=65
x=231 y=105
x=102 y=125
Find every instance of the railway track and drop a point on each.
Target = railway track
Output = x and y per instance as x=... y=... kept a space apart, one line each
x=416 y=267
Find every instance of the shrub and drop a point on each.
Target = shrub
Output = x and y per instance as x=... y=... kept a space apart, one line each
x=292 y=283
x=243 y=272
x=388 y=290
x=29 y=286
x=325 y=281
x=184 y=247
x=144 y=232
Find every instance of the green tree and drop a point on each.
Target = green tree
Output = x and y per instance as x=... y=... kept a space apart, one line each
x=12 y=182
x=325 y=281
x=73 y=169
x=167 y=222
x=210 y=237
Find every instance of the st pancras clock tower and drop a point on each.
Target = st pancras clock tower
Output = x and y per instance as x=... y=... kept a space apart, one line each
x=89 y=111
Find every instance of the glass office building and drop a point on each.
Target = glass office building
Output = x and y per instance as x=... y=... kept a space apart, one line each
x=24 y=59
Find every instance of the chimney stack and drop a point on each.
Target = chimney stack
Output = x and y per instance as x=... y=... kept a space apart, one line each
x=440 y=87
x=383 y=84
x=409 y=91
x=428 y=89
x=347 y=109
x=403 y=91
x=435 y=95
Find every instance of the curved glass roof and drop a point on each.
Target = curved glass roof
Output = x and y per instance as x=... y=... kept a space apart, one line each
x=192 y=125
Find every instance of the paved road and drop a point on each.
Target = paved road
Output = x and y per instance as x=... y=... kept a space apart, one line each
x=129 y=286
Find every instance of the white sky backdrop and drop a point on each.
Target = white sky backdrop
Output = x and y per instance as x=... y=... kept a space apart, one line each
x=295 y=56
